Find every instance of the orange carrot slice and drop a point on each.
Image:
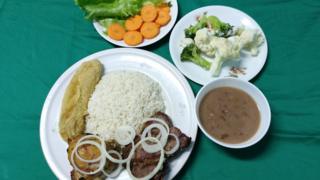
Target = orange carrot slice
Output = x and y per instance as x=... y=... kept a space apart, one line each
x=116 y=31
x=149 y=13
x=163 y=18
x=149 y=30
x=133 y=38
x=164 y=8
x=133 y=23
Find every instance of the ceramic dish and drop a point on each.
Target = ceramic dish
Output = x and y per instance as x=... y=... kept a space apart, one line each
x=235 y=17
x=177 y=95
x=163 y=30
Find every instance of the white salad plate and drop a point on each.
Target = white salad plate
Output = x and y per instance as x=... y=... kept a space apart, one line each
x=177 y=94
x=163 y=30
x=252 y=64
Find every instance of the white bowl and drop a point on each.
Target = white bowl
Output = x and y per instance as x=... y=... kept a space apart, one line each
x=254 y=92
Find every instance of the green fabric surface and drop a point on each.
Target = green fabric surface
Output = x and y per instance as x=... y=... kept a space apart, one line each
x=40 y=39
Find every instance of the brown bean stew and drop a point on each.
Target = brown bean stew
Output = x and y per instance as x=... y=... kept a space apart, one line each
x=229 y=114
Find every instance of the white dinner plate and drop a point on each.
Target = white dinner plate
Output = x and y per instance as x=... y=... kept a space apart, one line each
x=163 y=30
x=232 y=16
x=177 y=95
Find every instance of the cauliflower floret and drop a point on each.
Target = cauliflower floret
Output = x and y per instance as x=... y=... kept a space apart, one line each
x=185 y=42
x=226 y=48
x=250 y=40
x=202 y=41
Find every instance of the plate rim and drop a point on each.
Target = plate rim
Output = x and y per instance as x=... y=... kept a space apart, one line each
x=204 y=8
x=186 y=86
x=152 y=41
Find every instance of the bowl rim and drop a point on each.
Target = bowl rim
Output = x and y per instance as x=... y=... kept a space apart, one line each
x=265 y=103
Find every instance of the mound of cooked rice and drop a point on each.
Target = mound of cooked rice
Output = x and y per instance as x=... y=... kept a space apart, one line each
x=122 y=98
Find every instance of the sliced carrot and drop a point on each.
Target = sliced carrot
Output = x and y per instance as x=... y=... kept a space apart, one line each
x=133 y=38
x=149 y=30
x=163 y=18
x=167 y=9
x=149 y=13
x=164 y=8
x=116 y=31
x=133 y=23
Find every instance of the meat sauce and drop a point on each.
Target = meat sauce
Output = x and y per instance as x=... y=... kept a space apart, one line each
x=229 y=115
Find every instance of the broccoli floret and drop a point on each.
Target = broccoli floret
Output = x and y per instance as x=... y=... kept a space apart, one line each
x=222 y=29
x=190 y=32
x=211 y=22
x=192 y=53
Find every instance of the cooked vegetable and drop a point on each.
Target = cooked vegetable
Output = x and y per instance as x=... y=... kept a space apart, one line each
x=116 y=31
x=150 y=30
x=133 y=23
x=190 y=32
x=203 y=42
x=133 y=38
x=163 y=18
x=193 y=54
x=220 y=28
x=250 y=40
x=120 y=9
x=186 y=41
x=149 y=13
x=226 y=50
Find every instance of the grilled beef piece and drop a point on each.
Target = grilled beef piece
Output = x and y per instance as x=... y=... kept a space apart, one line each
x=184 y=139
x=164 y=117
x=143 y=163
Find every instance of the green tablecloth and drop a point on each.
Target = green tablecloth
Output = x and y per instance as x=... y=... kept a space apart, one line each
x=40 y=39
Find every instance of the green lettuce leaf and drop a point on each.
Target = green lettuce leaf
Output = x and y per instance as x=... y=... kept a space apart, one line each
x=108 y=21
x=119 y=9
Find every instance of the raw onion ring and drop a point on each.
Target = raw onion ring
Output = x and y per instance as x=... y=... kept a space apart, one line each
x=79 y=144
x=163 y=137
x=176 y=147
x=120 y=161
x=124 y=135
x=156 y=169
x=158 y=121
x=116 y=172
x=101 y=165
x=103 y=144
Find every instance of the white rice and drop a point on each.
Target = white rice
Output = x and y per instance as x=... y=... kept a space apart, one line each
x=122 y=98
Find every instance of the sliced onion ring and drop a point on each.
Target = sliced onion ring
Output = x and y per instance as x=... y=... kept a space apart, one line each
x=176 y=147
x=101 y=164
x=79 y=144
x=150 y=135
x=158 y=121
x=116 y=172
x=120 y=161
x=124 y=135
x=156 y=169
x=103 y=144
x=151 y=148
